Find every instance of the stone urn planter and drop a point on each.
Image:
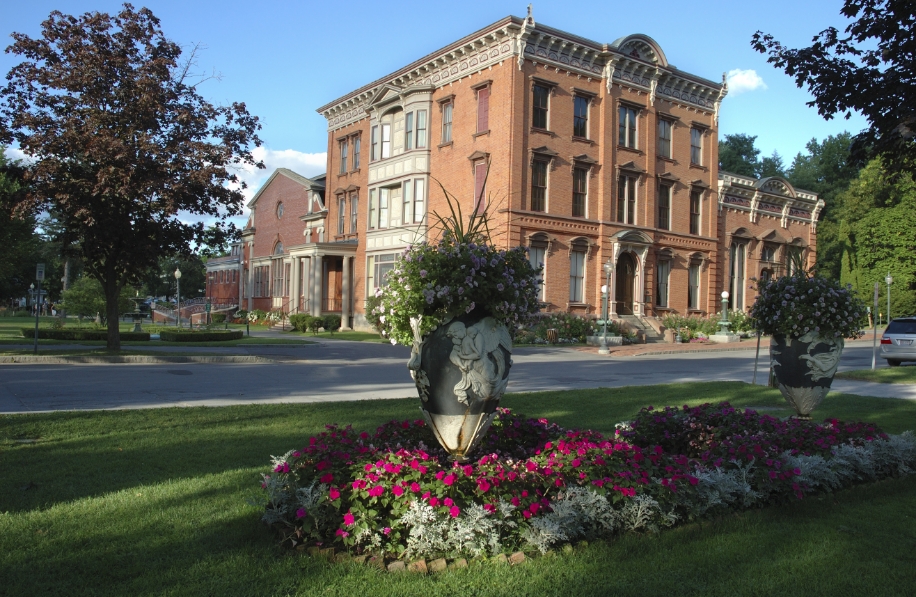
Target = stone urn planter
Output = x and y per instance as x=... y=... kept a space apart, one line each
x=461 y=370
x=804 y=368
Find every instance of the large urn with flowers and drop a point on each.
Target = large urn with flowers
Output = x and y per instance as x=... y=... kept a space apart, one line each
x=461 y=370
x=804 y=368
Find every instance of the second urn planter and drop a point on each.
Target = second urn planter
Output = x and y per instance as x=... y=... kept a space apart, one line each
x=804 y=368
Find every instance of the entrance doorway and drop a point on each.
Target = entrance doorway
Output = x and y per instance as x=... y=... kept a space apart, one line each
x=625 y=283
x=332 y=284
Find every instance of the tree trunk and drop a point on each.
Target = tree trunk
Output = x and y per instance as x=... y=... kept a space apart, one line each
x=112 y=291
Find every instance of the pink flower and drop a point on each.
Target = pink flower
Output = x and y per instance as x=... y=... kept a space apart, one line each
x=534 y=508
x=468 y=470
x=349 y=519
x=526 y=514
x=439 y=475
x=397 y=490
x=368 y=467
x=282 y=468
x=489 y=507
x=300 y=513
x=483 y=485
x=415 y=487
x=448 y=501
x=454 y=511
x=334 y=493
x=515 y=501
x=342 y=533
x=322 y=465
x=531 y=466
x=376 y=491
x=387 y=530
x=449 y=479
x=433 y=501
x=327 y=478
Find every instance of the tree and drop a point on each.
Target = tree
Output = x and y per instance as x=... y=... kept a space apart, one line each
x=738 y=155
x=86 y=298
x=160 y=280
x=771 y=166
x=17 y=235
x=122 y=143
x=869 y=70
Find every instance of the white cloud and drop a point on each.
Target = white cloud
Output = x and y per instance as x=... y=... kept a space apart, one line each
x=740 y=80
x=14 y=153
x=306 y=164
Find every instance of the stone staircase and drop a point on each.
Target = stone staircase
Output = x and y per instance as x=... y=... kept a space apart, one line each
x=638 y=323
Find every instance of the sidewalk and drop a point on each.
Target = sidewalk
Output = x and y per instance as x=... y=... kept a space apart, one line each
x=635 y=350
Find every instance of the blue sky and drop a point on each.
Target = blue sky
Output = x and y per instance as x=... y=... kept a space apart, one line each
x=285 y=59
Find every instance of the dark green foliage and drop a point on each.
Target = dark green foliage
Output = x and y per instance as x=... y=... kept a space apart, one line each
x=218 y=317
x=738 y=155
x=198 y=336
x=330 y=323
x=52 y=334
x=869 y=69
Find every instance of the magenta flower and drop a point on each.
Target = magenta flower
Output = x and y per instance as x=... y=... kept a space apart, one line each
x=376 y=491
x=342 y=533
x=454 y=511
x=300 y=513
x=415 y=487
x=433 y=501
x=449 y=479
x=397 y=490
x=327 y=478
x=349 y=519
x=447 y=502
x=334 y=493
x=483 y=485
x=387 y=530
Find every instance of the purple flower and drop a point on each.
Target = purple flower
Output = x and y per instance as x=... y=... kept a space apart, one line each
x=422 y=273
x=500 y=287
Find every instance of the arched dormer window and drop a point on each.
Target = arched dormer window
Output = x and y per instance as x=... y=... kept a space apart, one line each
x=278 y=248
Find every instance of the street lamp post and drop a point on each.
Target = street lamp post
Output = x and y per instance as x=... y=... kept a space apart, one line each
x=723 y=323
x=606 y=292
x=37 y=308
x=178 y=297
x=889 y=280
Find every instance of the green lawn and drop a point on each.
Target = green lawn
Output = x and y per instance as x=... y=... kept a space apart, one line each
x=905 y=374
x=152 y=502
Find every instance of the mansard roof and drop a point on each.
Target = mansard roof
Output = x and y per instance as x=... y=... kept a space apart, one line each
x=313 y=184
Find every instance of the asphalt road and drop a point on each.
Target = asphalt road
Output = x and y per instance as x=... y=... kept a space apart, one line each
x=333 y=371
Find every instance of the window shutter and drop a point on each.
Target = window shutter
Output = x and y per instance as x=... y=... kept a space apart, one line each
x=480 y=176
x=483 y=109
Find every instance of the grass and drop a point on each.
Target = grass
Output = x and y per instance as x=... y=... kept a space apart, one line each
x=905 y=375
x=344 y=335
x=152 y=502
x=93 y=352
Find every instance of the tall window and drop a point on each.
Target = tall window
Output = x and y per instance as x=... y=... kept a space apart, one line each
x=538 y=185
x=627 y=127
x=421 y=129
x=539 y=107
x=664 y=138
x=580 y=116
x=696 y=146
x=287 y=279
x=344 y=145
x=407 y=206
x=278 y=286
x=341 y=215
x=354 y=211
x=483 y=109
x=356 y=153
x=664 y=207
x=383 y=196
x=577 y=274
x=377 y=270
x=580 y=192
x=447 y=122
x=419 y=198
x=626 y=199
x=663 y=271
x=794 y=260
x=386 y=141
x=408 y=131
x=480 y=182
x=373 y=206
x=373 y=144
x=695 y=197
x=537 y=257
x=693 y=286
x=736 y=254
x=768 y=253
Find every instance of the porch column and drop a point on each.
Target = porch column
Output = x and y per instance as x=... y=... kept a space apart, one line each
x=250 y=274
x=345 y=295
x=241 y=279
x=294 y=285
x=315 y=285
x=612 y=290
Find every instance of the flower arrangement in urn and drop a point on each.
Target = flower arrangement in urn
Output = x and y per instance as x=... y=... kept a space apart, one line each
x=808 y=317
x=458 y=302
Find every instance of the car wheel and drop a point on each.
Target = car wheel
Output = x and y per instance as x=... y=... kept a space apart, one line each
x=893 y=363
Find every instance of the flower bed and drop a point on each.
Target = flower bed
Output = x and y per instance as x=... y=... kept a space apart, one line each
x=536 y=485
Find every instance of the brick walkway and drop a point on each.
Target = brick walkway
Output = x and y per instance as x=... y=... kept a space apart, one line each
x=633 y=350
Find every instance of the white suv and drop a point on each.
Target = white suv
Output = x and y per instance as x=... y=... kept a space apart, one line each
x=898 y=343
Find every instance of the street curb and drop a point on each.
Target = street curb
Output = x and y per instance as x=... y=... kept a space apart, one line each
x=133 y=359
x=651 y=352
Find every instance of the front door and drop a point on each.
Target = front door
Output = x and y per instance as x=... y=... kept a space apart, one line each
x=332 y=285
x=626 y=278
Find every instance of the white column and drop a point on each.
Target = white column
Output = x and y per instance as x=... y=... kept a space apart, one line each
x=345 y=295
x=294 y=285
x=315 y=285
x=250 y=274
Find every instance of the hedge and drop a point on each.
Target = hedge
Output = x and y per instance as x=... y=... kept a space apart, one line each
x=194 y=336
x=47 y=334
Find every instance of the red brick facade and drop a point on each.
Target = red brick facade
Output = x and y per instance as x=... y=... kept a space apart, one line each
x=593 y=153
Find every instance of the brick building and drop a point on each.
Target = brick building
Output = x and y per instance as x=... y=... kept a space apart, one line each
x=588 y=153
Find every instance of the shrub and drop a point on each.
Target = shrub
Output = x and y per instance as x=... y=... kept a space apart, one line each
x=741 y=321
x=373 y=313
x=690 y=327
x=299 y=321
x=218 y=318
x=200 y=336
x=314 y=324
x=330 y=323
x=98 y=334
x=571 y=329
x=241 y=316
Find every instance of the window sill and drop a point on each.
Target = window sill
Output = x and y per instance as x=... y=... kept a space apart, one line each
x=485 y=133
x=699 y=311
x=543 y=131
x=579 y=305
x=448 y=144
x=659 y=308
x=699 y=167
x=354 y=171
x=585 y=140
x=631 y=149
x=668 y=160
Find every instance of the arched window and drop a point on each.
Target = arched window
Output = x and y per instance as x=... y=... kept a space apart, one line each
x=278 y=248
x=279 y=210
